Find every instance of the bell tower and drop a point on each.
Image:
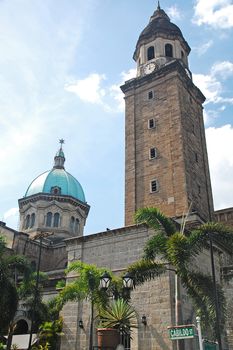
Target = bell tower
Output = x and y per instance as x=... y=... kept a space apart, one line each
x=166 y=163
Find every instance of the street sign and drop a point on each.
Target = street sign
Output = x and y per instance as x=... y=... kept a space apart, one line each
x=182 y=332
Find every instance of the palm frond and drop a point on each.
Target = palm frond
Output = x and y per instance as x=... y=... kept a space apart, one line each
x=155 y=219
x=220 y=233
x=156 y=245
x=146 y=270
x=200 y=288
x=178 y=250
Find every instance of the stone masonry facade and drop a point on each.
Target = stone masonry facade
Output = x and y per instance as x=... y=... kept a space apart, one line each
x=181 y=165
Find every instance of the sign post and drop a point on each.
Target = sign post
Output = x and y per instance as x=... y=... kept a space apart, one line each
x=198 y=319
x=182 y=332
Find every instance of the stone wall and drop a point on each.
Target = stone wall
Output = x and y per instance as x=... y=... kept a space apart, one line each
x=181 y=166
x=115 y=250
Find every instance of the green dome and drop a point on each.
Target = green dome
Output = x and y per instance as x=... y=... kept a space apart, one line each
x=57 y=181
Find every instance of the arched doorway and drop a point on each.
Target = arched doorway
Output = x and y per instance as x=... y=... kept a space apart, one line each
x=21 y=327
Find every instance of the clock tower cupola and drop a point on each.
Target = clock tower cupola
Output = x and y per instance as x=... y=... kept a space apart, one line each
x=166 y=163
x=160 y=43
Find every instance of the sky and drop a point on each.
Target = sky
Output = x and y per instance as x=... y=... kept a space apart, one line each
x=61 y=65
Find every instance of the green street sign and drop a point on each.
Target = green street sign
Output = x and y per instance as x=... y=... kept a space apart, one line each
x=182 y=332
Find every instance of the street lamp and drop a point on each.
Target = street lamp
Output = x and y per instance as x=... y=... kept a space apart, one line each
x=215 y=294
x=105 y=281
x=128 y=281
x=40 y=235
x=104 y=284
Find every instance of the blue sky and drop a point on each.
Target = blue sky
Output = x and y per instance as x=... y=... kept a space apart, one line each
x=61 y=66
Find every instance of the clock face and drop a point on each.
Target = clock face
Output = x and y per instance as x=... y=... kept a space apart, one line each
x=149 y=68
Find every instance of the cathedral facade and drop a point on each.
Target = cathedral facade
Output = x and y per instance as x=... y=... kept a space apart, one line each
x=166 y=166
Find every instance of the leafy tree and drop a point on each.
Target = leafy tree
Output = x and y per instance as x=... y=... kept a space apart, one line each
x=49 y=333
x=10 y=265
x=178 y=249
x=32 y=297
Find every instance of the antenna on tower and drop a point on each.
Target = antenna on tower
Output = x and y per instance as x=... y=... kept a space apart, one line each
x=158 y=5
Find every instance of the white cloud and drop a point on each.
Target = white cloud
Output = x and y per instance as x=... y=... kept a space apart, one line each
x=130 y=74
x=88 y=89
x=13 y=212
x=116 y=92
x=174 y=13
x=215 y=13
x=202 y=49
x=223 y=69
x=220 y=152
x=11 y=217
x=38 y=46
x=211 y=84
x=210 y=87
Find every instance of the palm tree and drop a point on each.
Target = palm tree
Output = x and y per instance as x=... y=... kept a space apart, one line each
x=177 y=249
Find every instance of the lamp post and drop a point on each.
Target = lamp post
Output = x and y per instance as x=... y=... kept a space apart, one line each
x=35 y=294
x=104 y=284
x=41 y=235
x=91 y=284
x=215 y=294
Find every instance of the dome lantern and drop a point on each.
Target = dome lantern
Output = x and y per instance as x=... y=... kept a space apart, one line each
x=59 y=158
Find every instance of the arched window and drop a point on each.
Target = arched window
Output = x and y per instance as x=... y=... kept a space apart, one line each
x=150 y=53
x=76 y=225
x=49 y=219
x=27 y=223
x=72 y=223
x=32 y=220
x=182 y=54
x=168 y=50
x=56 y=220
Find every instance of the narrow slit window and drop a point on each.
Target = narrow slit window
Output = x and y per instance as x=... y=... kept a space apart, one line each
x=27 y=223
x=77 y=225
x=72 y=223
x=153 y=153
x=154 y=186
x=151 y=123
x=56 y=220
x=49 y=219
x=150 y=95
x=32 y=220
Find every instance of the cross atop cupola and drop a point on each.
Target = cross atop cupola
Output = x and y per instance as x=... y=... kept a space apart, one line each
x=59 y=158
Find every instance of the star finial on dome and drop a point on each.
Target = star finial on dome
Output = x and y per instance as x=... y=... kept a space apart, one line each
x=61 y=141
